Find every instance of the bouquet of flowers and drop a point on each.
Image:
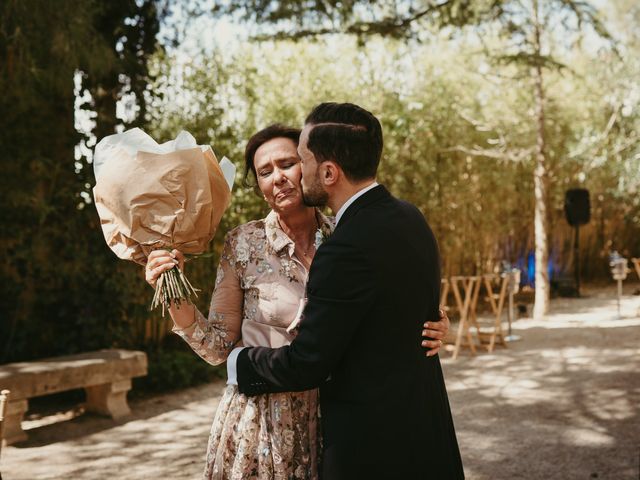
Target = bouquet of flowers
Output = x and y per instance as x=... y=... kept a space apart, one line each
x=152 y=196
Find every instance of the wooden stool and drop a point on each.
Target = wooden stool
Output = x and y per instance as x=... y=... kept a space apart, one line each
x=472 y=319
x=466 y=303
x=497 y=306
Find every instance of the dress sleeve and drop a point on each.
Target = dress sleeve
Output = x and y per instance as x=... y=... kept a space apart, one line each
x=214 y=337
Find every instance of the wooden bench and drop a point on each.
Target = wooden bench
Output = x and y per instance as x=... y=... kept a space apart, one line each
x=4 y=399
x=105 y=375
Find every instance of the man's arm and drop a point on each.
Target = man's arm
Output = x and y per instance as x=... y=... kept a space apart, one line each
x=340 y=293
x=434 y=334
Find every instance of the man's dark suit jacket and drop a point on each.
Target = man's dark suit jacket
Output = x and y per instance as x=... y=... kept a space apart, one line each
x=384 y=407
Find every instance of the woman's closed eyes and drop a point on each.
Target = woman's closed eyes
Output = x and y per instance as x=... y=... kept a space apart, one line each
x=285 y=165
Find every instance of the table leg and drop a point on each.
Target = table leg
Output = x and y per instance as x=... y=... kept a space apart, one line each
x=497 y=326
x=463 y=306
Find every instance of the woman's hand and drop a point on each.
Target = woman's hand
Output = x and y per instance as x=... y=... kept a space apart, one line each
x=435 y=332
x=160 y=261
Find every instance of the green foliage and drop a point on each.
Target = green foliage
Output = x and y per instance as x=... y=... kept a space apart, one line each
x=64 y=291
x=40 y=46
x=458 y=131
x=127 y=30
x=295 y=19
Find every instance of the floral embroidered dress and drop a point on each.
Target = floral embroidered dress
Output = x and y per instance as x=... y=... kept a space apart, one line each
x=258 y=289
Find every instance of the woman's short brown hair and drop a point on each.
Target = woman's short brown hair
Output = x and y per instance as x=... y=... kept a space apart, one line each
x=258 y=139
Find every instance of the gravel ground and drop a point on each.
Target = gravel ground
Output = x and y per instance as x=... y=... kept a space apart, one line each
x=562 y=403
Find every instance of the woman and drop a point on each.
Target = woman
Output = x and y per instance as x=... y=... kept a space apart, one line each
x=259 y=289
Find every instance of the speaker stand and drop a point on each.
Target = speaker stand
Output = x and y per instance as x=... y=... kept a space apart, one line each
x=510 y=317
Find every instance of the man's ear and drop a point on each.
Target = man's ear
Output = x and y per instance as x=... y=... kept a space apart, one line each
x=329 y=173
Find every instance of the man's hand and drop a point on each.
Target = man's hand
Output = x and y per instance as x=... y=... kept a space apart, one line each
x=434 y=333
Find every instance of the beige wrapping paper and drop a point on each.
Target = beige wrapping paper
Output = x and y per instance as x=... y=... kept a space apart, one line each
x=149 y=200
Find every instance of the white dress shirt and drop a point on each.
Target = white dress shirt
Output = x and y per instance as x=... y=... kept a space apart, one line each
x=352 y=199
x=232 y=375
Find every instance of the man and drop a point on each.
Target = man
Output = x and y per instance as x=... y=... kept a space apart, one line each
x=384 y=406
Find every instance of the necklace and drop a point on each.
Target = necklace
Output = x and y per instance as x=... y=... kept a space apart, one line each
x=305 y=252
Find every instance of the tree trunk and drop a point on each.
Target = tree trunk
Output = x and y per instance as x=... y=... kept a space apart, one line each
x=540 y=179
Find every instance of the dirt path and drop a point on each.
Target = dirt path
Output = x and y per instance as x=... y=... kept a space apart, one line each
x=562 y=403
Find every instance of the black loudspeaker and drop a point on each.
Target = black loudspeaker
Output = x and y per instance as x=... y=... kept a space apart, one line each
x=577 y=207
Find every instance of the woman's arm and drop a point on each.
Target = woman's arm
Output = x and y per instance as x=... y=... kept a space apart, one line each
x=211 y=337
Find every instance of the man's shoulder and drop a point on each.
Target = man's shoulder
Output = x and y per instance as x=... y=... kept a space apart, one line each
x=392 y=225
x=385 y=212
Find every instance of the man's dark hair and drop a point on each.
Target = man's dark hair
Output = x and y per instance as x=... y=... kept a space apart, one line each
x=258 y=139
x=347 y=134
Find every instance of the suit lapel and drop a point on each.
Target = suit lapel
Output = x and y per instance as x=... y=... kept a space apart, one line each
x=374 y=195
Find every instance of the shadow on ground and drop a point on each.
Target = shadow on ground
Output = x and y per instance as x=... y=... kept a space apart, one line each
x=563 y=403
